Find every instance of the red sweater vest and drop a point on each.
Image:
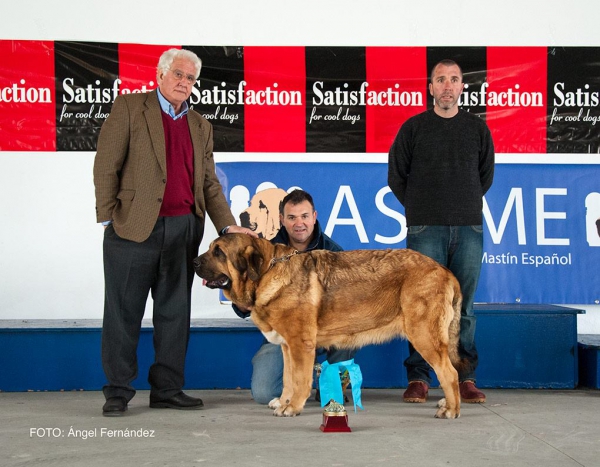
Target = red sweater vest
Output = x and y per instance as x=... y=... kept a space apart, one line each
x=178 y=199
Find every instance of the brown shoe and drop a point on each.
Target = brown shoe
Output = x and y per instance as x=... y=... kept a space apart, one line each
x=470 y=394
x=416 y=392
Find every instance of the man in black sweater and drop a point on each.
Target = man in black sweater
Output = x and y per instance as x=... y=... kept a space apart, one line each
x=440 y=166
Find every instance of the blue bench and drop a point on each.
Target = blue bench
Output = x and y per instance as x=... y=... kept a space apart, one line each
x=520 y=346
x=589 y=360
x=58 y=355
x=527 y=346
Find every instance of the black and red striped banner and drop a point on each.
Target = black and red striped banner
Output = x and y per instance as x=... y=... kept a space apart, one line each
x=54 y=96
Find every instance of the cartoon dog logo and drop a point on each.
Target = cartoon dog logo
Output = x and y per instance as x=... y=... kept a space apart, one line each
x=262 y=215
x=592 y=218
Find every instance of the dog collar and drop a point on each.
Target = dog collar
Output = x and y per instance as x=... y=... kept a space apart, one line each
x=282 y=258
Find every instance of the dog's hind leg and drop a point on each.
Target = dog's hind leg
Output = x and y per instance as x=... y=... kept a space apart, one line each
x=449 y=406
x=438 y=358
x=298 y=370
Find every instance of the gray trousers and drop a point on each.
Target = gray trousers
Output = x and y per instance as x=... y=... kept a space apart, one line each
x=161 y=265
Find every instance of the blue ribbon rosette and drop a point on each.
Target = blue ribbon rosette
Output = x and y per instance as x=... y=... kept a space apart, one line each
x=330 y=385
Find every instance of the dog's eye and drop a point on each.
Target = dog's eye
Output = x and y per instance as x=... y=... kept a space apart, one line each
x=218 y=252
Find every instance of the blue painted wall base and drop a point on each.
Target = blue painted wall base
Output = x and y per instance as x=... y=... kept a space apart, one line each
x=520 y=346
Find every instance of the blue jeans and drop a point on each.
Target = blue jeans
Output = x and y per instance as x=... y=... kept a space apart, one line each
x=267 y=373
x=267 y=370
x=460 y=249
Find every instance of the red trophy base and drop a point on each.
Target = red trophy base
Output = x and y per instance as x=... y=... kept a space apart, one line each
x=335 y=423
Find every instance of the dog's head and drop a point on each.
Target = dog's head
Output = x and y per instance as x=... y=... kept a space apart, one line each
x=235 y=263
x=262 y=215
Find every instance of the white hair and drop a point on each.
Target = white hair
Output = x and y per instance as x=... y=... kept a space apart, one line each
x=166 y=60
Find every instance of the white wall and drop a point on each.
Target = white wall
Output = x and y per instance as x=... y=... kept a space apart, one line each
x=50 y=246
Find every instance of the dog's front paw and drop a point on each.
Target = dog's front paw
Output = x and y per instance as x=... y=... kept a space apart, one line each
x=286 y=411
x=444 y=411
x=275 y=403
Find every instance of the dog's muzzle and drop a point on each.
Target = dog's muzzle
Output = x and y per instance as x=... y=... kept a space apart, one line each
x=221 y=282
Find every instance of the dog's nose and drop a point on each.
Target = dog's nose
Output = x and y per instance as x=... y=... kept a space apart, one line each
x=197 y=262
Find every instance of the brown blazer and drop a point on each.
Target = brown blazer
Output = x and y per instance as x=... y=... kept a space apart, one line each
x=130 y=170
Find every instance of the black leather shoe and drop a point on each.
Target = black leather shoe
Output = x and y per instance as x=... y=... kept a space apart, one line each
x=114 y=407
x=179 y=401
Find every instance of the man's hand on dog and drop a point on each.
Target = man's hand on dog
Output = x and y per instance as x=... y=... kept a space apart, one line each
x=243 y=230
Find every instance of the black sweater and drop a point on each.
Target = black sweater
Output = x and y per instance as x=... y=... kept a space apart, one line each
x=440 y=168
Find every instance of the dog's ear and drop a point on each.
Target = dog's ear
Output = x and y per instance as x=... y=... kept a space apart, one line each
x=249 y=261
x=255 y=262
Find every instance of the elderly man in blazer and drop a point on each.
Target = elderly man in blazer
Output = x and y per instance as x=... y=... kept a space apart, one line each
x=155 y=182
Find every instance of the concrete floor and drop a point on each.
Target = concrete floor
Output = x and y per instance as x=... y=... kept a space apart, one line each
x=516 y=427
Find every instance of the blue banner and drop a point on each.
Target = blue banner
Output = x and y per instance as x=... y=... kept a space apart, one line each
x=541 y=228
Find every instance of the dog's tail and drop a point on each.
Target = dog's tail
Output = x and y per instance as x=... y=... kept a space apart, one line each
x=462 y=365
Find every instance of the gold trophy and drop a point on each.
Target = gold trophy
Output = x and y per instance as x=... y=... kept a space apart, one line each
x=335 y=418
